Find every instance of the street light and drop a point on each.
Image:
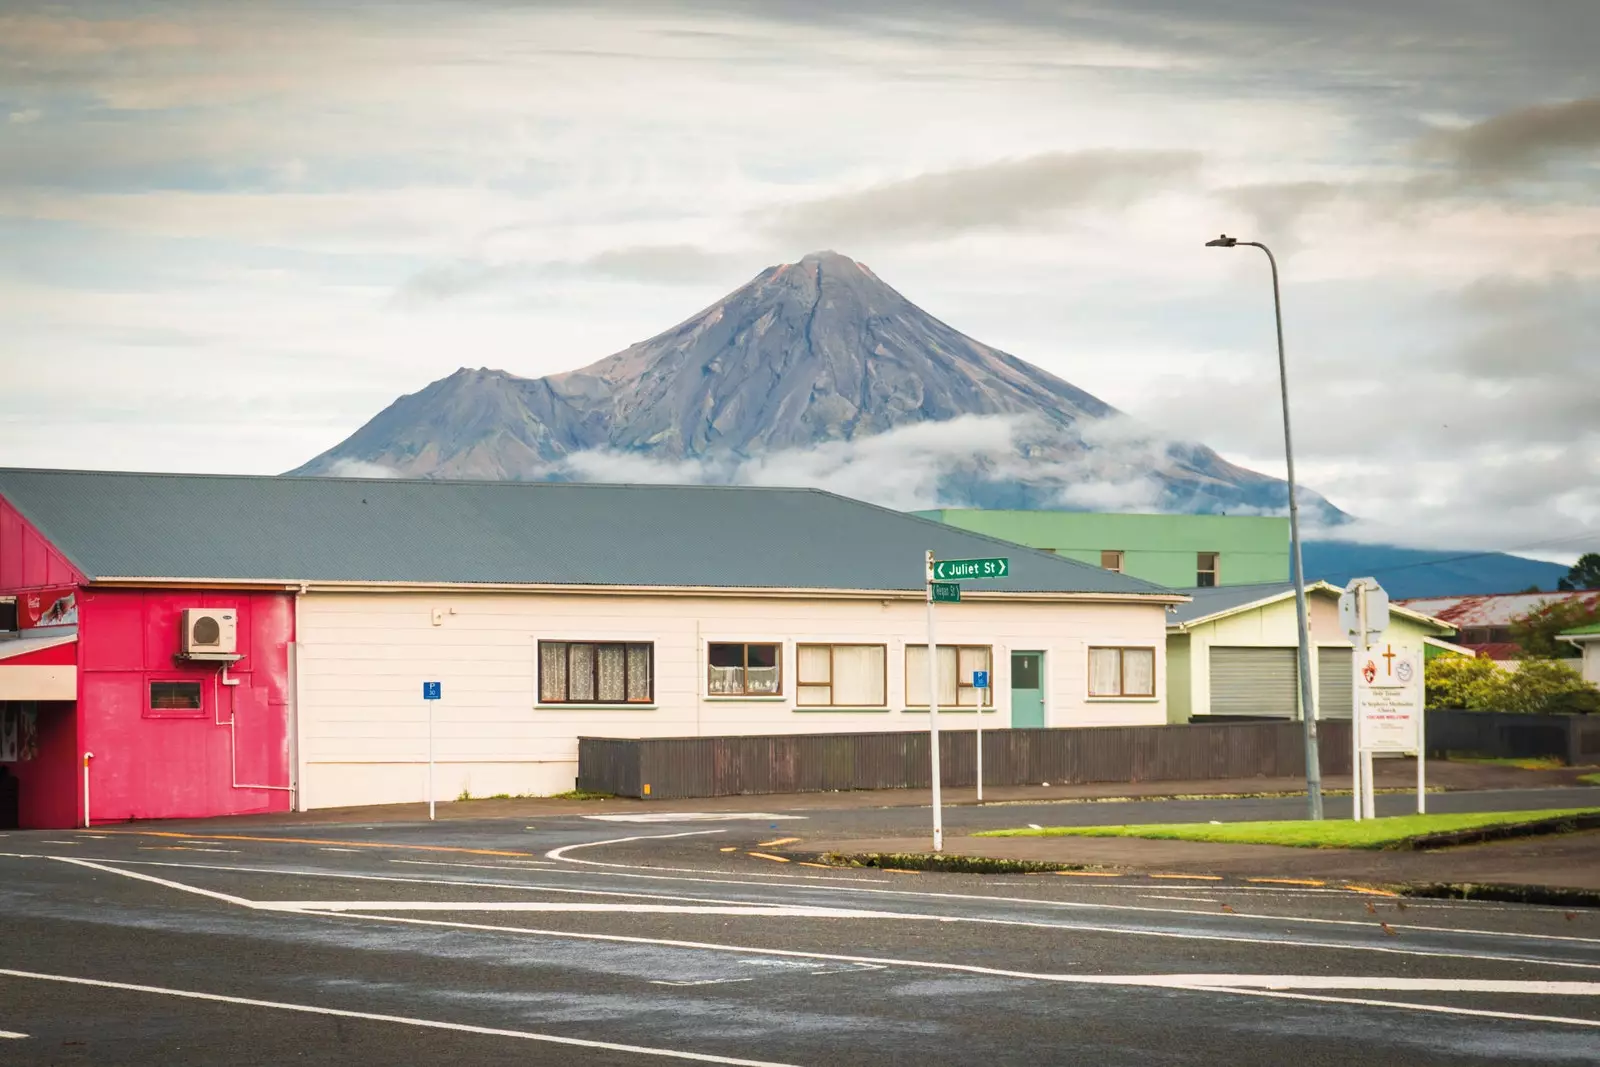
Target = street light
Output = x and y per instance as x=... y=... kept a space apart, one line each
x=1308 y=711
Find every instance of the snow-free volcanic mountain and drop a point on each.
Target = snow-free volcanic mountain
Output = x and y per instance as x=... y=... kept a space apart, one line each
x=815 y=372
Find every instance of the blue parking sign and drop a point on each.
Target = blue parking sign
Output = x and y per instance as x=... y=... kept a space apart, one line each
x=980 y=679
x=432 y=690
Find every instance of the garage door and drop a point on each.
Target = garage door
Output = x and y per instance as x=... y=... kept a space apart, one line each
x=1333 y=683
x=1254 y=681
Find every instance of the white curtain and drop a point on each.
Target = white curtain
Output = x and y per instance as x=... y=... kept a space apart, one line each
x=813 y=664
x=552 y=672
x=761 y=680
x=612 y=678
x=858 y=675
x=724 y=680
x=638 y=672
x=1138 y=672
x=1105 y=672
x=950 y=665
x=580 y=668
x=972 y=660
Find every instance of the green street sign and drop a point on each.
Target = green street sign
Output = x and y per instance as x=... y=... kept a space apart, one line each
x=946 y=593
x=959 y=570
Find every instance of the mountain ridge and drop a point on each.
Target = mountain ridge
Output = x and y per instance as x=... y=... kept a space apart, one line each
x=787 y=374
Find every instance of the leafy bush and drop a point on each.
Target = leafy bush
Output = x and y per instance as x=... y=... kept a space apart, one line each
x=1535 y=633
x=1537 y=686
x=1459 y=681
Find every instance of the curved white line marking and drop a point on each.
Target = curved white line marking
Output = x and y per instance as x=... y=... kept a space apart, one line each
x=431 y=1024
x=1190 y=983
x=561 y=853
x=775 y=911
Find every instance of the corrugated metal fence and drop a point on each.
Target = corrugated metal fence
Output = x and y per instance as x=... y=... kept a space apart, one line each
x=1573 y=739
x=680 y=767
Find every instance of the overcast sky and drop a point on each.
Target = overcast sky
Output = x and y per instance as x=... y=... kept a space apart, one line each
x=233 y=232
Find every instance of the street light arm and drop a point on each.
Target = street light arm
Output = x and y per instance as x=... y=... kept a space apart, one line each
x=1308 y=709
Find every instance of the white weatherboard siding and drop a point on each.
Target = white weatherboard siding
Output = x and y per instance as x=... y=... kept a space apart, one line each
x=362 y=659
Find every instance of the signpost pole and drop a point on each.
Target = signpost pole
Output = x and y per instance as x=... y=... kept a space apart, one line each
x=1422 y=738
x=1357 y=790
x=430 y=704
x=933 y=713
x=983 y=695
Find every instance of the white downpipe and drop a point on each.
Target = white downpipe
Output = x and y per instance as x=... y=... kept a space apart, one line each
x=233 y=731
x=87 y=756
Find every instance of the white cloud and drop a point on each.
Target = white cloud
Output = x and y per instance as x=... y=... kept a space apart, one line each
x=356 y=468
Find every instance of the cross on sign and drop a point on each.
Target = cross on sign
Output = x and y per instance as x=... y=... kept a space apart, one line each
x=1388 y=654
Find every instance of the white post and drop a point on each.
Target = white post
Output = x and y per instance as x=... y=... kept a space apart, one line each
x=87 y=756
x=933 y=713
x=1422 y=741
x=430 y=704
x=1359 y=650
x=983 y=695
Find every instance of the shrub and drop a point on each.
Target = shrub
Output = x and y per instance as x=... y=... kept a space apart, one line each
x=1459 y=681
x=1538 y=685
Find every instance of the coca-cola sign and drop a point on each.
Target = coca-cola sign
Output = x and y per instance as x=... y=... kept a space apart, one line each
x=47 y=607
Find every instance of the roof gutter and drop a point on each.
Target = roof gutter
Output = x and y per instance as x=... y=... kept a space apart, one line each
x=917 y=595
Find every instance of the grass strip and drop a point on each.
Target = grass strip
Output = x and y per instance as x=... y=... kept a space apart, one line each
x=949 y=864
x=1396 y=832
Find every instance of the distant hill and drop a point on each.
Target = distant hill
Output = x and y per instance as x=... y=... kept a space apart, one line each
x=812 y=372
x=1413 y=572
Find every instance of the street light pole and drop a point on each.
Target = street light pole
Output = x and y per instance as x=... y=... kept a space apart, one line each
x=1308 y=710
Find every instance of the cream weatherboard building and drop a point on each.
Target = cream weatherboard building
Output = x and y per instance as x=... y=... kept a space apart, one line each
x=549 y=612
x=1233 y=652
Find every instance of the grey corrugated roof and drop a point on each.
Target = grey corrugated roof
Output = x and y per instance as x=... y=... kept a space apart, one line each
x=1217 y=599
x=393 y=530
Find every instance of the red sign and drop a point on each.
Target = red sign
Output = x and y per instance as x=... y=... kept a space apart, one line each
x=47 y=607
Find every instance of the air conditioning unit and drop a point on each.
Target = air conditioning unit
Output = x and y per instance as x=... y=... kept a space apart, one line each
x=209 y=632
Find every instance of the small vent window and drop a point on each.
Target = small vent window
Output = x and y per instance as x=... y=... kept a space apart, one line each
x=175 y=696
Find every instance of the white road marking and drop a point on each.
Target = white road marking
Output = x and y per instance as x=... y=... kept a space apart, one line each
x=1242 y=985
x=431 y=1024
x=11 y=1035
x=1437 y=1009
x=326 y=848
x=59 y=842
x=772 y=909
x=842 y=885
x=708 y=981
x=695 y=816
x=1194 y=900
x=226 y=897
x=776 y=911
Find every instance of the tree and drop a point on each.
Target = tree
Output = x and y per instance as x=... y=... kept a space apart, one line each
x=1459 y=681
x=1535 y=633
x=1585 y=574
x=1540 y=686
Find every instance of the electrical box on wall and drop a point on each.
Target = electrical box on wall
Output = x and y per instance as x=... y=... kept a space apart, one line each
x=209 y=633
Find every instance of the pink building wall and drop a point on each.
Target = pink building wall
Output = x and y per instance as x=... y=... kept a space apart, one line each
x=151 y=764
x=165 y=764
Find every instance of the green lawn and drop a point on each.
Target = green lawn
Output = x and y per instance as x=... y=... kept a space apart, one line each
x=1331 y=833
x=1590 y=779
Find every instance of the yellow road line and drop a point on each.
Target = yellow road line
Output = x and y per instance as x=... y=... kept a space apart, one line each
x=820 y=866
x=1192 y=877
x=1088 y=874
x=779 y=841
x=1370 y=891
x=317 y=841
x=896 y=870
x=730 y=848
x=1288 y=881
x=764 y=856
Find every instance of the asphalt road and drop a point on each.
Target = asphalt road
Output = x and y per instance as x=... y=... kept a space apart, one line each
x=586 y=941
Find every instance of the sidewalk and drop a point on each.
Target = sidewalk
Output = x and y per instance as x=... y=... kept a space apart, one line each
x=1391 y=774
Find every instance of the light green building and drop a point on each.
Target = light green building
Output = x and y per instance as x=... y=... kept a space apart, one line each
x=1178 y=551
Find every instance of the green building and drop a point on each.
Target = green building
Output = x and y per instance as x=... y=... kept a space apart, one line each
x=1178 y=551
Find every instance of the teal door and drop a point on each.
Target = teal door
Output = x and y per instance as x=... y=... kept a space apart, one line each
x=1027 y=689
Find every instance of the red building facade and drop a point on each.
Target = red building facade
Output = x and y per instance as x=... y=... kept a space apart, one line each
x=148 y=733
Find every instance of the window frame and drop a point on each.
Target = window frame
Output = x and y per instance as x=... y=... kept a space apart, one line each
x=538 y=652
x=1215 y=570
x=746 y=693
x=151 y=711
x=1122 y=672
x=800 y=685
x=987 y=703
x=1120 y=556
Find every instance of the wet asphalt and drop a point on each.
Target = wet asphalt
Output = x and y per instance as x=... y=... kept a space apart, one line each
x=575 y=940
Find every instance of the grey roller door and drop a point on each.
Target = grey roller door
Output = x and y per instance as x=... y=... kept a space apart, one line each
x=1334 y=683
x=1254 y=681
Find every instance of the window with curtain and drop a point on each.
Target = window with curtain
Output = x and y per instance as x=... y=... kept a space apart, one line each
x=956 y=666
x=596 y=672
x=1206 y=566
x=1122 y=672
x=846 y=676
x=745 y=669
x=174 y=696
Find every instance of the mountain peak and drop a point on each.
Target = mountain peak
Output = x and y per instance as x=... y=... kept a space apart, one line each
x=806 y=354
